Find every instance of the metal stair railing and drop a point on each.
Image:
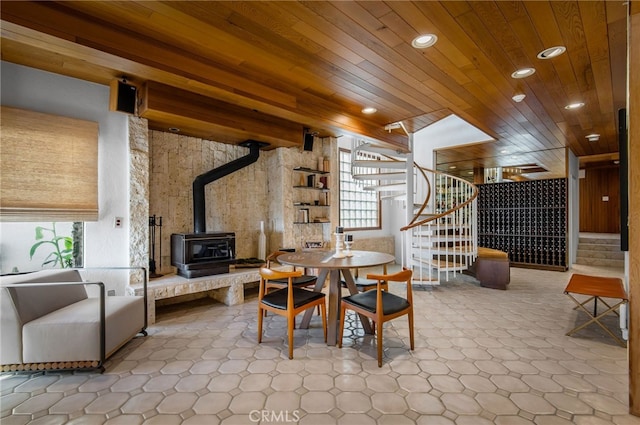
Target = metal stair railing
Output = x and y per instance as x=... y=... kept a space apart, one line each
x=443 y=230
x=446 y=239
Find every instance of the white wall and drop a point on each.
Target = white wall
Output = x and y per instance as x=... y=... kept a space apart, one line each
x=39 y=91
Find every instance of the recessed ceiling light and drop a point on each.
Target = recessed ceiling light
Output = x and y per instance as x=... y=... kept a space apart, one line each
x=470 y=173
x=519 y=97
x=369 y=110
x=174 y=129
x=424 y=41
x=452 y=167
x=574 y=105
x=523 y=73
x=552 y=52
x=593 y=137
x=504 y=151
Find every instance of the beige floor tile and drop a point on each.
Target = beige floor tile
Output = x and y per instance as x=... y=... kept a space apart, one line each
x=481 y=356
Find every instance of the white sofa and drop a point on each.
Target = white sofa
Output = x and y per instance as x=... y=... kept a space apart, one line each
x=48 y=321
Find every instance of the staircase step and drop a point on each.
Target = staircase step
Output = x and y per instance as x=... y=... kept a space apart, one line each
x=394 y=197
x=599 y=247
x=401 y=165
x=599 y=241
x=369 y=147
x=440 y=265
x=600 y=254
x=600 y=262
x=381 y=176
x=387 y=187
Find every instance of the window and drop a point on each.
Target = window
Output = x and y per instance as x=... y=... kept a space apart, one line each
x=359 y=208
x=34 y=246
x=48 y=167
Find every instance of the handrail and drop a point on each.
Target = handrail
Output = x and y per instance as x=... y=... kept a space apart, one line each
x=413 y=222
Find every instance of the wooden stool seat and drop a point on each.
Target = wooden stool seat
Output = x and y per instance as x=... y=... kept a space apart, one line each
x=596 y=288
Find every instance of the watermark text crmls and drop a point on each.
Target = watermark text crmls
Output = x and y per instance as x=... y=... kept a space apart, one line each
x=274 y=416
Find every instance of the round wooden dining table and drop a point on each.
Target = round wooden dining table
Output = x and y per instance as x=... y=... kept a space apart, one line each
x=328 y=265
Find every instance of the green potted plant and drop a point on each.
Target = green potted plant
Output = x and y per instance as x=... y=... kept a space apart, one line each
x=61 y=254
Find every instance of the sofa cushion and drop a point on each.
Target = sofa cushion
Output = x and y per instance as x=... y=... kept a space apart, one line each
x=72 y=333
x=491 y=253
x=33 y=302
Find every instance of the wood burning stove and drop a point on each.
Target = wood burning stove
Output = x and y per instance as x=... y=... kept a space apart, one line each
x=202 y=254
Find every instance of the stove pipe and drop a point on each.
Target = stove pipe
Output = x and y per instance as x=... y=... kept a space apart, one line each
x=199 y=209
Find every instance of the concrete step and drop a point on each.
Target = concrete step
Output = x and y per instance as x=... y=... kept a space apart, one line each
x=611 y=255
x=600 y=262
x=599 y=241
x=599 y=247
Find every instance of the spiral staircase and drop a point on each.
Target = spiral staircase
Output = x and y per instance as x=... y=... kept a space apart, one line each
x=440 y=236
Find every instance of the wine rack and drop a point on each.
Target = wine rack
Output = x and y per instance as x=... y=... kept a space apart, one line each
x=527 y=219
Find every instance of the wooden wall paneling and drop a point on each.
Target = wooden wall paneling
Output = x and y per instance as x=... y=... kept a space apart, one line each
x=596 y=215
x=634 y=210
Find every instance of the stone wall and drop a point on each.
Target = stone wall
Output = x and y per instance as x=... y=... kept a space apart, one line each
x=238 y=202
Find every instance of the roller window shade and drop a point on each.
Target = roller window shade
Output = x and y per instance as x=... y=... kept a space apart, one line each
x=48 y=167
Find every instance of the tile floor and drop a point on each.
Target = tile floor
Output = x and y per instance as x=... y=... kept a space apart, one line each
x=482 y=356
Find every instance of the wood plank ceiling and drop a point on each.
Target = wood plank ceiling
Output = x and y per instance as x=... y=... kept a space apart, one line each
x=232 y=70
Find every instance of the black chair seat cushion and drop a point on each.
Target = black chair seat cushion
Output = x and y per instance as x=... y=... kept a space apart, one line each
x=278 y=299
x=303 y=280
x=367 y=300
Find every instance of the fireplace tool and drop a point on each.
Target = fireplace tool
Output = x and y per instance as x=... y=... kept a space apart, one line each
x=153 y=223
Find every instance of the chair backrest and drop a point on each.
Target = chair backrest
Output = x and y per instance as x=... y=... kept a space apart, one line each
x=356 y=273
x=402 y=276
x=274 y=264
x=267 y=274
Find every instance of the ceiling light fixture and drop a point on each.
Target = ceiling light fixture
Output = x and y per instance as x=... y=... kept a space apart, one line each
x=593 y=137
x=369 y=110
x=523 y=73
x=519 y=97
x=424 y=41
x=575 y=105
x=174 y=129
x=552 y=52
x=452 y=167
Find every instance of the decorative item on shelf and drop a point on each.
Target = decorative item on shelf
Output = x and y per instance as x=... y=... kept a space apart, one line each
x=311 y=180
x=324 y=181
x=153 y=223
x=339 y=243
x=303 y=180
x=325 y=165
x=348 y=241
x=321 y=164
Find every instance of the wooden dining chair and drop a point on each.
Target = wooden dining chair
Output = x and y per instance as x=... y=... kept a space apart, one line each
x=304 y=280
x=288 y=302
x=381 y=306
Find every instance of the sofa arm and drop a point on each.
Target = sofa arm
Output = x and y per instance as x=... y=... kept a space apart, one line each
x=145 y=280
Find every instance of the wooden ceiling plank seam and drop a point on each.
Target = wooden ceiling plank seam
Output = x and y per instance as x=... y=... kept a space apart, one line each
x=550 y=136
x=491 y=15
x=598 y=47
x=383 y=138
x=373 y=51
x=122 y=43
x=547 y=28
x=544 y=100
x=184 y=35
x=369 y=22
